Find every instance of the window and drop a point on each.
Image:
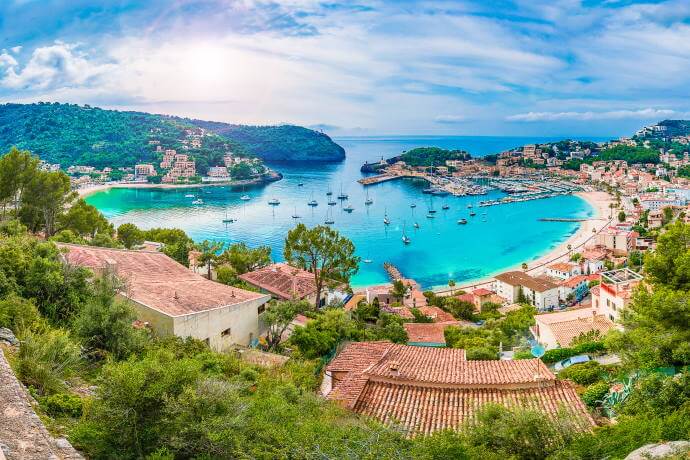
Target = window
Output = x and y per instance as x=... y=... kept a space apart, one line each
x=226 y=332
x=261 y=309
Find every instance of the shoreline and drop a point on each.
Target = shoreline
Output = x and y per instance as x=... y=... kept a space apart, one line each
x=599 y=201
x=86 y=191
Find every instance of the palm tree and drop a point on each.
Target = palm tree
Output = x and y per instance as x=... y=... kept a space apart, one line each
x=524 y=266
x=451 y=285
x=570 y=248
x=208 y=255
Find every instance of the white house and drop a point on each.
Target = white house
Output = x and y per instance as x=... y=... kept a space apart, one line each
x=540 y=292
x=563 y=270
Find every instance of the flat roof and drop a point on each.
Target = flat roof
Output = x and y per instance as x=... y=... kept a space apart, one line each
x=620 y=276
x=157 y=281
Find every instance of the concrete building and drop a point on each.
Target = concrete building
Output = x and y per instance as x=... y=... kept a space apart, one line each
x=614 y=292
x=144 y=170
x=620 y=242
x=540 y=292
x=173 y=300
x=563 y=270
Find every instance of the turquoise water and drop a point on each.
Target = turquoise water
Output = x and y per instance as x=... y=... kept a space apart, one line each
x=440 y=249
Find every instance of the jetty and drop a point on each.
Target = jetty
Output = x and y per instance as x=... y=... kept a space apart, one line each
x=393 y=272
x=371 y=180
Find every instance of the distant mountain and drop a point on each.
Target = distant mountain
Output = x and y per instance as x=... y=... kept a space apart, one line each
x=71 y=134
x=278 y=143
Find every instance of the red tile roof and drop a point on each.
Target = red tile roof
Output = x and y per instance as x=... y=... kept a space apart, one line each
x=436 y=313
x=481 y=292
x=157 y=281
x=516 y=278
x=429 y=389
x=425 y=332
x=282 y=280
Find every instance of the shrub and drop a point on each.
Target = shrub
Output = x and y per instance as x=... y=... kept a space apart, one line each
x=583 y=374
x=63 y=404
x=18 y=314
x=589 y=347
x=557 y=354
x=45 y=360
x=595 y=393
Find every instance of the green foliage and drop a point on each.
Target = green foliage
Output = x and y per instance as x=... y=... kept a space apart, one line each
x=432 y=156
x=584 y=373
x=44 y=200
x=320 y=336
x=669 y=264
x=460 y=309
x=208 y=255
x=68 y=236
x=176 y=242
x=520 y=433
x=63 y=404
x=84 y=220
x=657 y=395
x=420 y=317
x=244 y=259
x=105 y=323
x=18 y=314
x=595 y=393
x=130 y=235
x=329 y=256
x=277 y=319
x=399 y=290
x=46 y=359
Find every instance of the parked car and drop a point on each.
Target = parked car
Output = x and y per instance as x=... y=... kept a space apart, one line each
x=579 y=359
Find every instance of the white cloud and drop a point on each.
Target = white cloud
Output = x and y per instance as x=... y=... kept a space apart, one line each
x=16 y=49
x=641 y=114
x=55 y=66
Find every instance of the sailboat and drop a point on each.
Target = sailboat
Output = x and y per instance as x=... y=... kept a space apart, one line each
x=329 y=220
x=348 y=208
x=462 y=221
x=301 y=184
x=329 y=192
x=472 y=214
x=368 y=201
x=445 y=207
x=367 y=260
x=413 y=205
x=198 y=201
x=405 y=239
x=189 y=195
x=274 y=202
x=313 y=202
x=228 y=220
x=295 y=215
x=244 y=197
x=386 y=220
x=342 y=196
x=332 y=202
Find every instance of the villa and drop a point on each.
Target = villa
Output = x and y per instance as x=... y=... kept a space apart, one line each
x=284 y=282
x=559 y=329
x=563 y=270
x=427 y=389
x=173 y=300
x=615 y=292
x=540 y=292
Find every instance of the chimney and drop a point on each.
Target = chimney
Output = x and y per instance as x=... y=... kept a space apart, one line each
x=393 y=366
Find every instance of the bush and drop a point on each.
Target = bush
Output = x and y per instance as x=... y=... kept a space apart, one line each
x=589 y=347
x=62 y=404
x=45 y=360
x=595 y=393
x=583 y=374
x=557 y=354
x=18 y=314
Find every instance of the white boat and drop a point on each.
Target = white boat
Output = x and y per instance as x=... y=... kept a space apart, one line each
x=245 y=198
x=274 y=202
x=386 y=220
x=413 y=205
x=416 y=225
x=189 y=195
x=405 y=239
x=368 y=201
x=348 y=208
x=313 y=203
x=332 y=203
x=430 y=216
x=342 y=196
x=367 y=261
x=329 y=220
x=198 y=201
x=469 y=206
x=462 y=221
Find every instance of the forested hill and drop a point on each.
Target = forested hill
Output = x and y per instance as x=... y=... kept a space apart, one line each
x=279 y=143
x=70 y=134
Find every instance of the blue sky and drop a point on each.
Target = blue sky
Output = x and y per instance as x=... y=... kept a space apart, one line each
x=532 y=67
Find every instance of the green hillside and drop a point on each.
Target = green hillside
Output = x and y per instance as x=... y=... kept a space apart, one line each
x=70 y=134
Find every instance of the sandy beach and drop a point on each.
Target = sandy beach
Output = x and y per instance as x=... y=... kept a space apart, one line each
x=589 y=228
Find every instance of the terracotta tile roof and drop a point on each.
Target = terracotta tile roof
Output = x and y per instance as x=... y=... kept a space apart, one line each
x=424 y=410
x=574 y=281
x=426 y=332
x=482 y=292
x=466 y=298
x=516 y=278
x=282 y=280
x=565 y=332
x=436 y=313
x=157 y=281
x=562 y=266
x=566 y=315
x=429 y=389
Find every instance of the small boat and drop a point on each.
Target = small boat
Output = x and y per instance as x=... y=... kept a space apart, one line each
x=416 y=225
x=413 y=205
x=274 y=202
x=295 y=215
x=332 y=203
x=462 y=221
x=367 y=261
x=405 y=239
x=348 y=208
x=329 y=219
x=313 y=203
x=432 y=211
x=245 y=198
x=342 y=196
x=228 y=220
x=198 y=201
x=430 y=216
x=329 y=193
x=368 y=201
x=189 y=195
x=469 y=206
x=472 y=214
x=445 y=207
x=301 y=184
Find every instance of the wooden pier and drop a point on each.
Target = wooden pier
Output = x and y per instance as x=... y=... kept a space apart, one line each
x=393 y=272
